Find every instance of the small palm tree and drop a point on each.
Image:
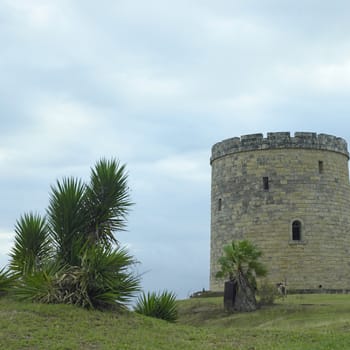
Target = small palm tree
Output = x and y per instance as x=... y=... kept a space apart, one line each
x=240 y=264
x=158 y=305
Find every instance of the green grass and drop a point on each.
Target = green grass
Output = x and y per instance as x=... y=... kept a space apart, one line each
x=307 y=322
x=299 y=322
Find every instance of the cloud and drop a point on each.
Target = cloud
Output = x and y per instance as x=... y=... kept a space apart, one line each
x=35 y=13
x=184 y=167
x=62 y=120
x=142 y=86
x=55 y=132
x=323 y=77
x=156 y=84
x=6 y=241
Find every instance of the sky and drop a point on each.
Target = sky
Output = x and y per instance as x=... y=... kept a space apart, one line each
x=155 y=84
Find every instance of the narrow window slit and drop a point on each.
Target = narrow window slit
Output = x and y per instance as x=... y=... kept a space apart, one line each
x=219 y=204
x=320 y=167
x=266 y=183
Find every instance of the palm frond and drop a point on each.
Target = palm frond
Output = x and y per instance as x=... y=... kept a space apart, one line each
x=41 y=285
x=241 y=258
x=67 y=219
x=108 y=277
x=32 y=244
x=108 y=200
x=7 y=280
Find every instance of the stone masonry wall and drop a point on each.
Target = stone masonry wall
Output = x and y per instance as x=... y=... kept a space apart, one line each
x=308 y=181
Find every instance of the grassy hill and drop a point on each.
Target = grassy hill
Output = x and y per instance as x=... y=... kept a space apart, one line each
x=305 y=322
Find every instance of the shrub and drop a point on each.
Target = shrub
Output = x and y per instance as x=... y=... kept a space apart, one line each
x=103 y=280
x=71 y=255
x=267 y=293
x=161 y=305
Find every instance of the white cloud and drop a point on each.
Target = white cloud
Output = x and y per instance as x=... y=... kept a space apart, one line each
x=5 y=155
x=322 y=77
x=147 y=86
x=6 y=244
x=244 y=105
x=230 y=30
x=37 y=14
x=57 y=138
x=331 y=76
x=191 y=167
x=56 y=127
x=156 y=84
x=63 y=119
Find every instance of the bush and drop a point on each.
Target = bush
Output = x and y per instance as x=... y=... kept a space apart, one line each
x=71 y=255
x=267 y=293
x=103 y=280
x=161 y=305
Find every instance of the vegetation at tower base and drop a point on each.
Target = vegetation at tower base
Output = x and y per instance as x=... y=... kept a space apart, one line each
x=240 y=264
x=71 y=255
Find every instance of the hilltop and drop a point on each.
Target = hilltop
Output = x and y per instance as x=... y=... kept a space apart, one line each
x=300 y=322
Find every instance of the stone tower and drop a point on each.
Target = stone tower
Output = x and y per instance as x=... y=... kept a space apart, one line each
x=291 y=197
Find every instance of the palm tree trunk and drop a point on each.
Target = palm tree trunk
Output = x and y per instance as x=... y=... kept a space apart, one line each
x=230 y=295
x=245 y=295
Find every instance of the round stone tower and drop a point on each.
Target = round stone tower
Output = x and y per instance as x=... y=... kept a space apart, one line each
x=291 y=197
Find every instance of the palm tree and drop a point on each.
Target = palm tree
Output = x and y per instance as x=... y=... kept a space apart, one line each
x=240 y=264
x=72 y=255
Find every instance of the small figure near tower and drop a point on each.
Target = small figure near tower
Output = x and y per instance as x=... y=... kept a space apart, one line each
x=282 y=289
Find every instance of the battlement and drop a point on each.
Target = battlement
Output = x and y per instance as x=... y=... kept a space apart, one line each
x=279 y=140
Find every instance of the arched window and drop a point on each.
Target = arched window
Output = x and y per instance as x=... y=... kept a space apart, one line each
x=296 y=230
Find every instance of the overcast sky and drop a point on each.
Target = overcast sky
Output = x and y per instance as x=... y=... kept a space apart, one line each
x=155 y=84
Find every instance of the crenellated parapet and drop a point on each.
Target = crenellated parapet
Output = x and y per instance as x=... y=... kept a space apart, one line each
x=278 y=140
